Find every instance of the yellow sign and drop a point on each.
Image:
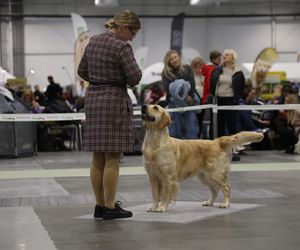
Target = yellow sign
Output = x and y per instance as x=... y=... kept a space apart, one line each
x=271 y=87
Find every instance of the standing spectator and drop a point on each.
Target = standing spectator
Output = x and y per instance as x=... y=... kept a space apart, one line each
x=39 y=97
x=108 y=64
x=227 y=84
x=196 y=64
x=206 y=70
x=185 y=124
x=53 y=91
x=82 y=89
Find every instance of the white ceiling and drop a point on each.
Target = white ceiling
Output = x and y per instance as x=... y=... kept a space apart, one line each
x=151 y=7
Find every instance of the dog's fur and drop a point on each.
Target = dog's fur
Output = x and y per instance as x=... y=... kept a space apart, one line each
x=169 y=160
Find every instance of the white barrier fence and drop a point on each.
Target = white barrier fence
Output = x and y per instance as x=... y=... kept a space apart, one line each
x=81 y=116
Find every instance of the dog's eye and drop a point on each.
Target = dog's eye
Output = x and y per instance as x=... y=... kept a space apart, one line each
x=155 y=107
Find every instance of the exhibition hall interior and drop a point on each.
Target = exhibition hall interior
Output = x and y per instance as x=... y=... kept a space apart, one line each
x=134 y=124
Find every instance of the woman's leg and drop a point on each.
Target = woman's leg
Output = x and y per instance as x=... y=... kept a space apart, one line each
x=175 y=127
x=110 y=178
x=231 y=121
x=221 y=122
x=191 y=125
x=96 y=175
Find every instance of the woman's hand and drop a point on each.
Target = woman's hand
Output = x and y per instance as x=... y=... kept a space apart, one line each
x=189 y=100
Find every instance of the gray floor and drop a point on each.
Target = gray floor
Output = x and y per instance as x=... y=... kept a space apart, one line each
x=56 y=212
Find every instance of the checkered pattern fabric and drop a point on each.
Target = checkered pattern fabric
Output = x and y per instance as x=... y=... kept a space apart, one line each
x=109 y=60
x=109 y=120
x=109 y=114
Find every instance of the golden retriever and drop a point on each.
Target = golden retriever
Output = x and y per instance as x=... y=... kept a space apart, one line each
x=169 y=160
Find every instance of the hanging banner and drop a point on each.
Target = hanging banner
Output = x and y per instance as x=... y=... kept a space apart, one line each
x=262 y=65
x=79 y=25
x=141 y=55
x=177 y=32
x=80 y=45
x=82 y=37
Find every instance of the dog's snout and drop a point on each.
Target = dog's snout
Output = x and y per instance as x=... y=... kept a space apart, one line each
x=144 y=108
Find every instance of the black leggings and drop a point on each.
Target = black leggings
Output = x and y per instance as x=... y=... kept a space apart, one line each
x=227 y=119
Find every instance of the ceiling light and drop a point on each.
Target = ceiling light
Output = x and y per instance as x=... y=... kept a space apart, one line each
x=194 y=2
x=106 y=2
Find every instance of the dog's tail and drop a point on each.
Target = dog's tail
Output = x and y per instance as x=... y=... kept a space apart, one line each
x=237 y=141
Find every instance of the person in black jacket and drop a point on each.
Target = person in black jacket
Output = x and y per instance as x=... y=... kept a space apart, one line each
x=227 y=85
x=53 y=91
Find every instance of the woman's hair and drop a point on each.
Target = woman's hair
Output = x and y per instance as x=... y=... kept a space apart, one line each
x=124 y=17
x=293 y=99
x=197 y=62
x=28 y=93
x=246 y=91
x=168 y=70
x=233 y=53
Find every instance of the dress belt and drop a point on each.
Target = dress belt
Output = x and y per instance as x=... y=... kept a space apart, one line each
x=115 y=84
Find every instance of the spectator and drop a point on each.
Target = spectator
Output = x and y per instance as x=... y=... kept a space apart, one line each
x=82 y=89
x=154 y=93
x=245 y=121
x=227 y=84
x=28 y=98
x=207 y=69
x=185 y=124
x=196 y=64
x=39 y=97
x=54 y=90
x=288 y=136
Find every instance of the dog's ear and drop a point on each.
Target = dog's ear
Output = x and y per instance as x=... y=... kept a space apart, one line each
x=165 y=120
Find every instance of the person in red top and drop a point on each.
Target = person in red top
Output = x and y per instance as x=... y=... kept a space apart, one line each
x=206 y=70
x=215 y=58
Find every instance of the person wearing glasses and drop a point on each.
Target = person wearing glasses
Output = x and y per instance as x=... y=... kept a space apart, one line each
x=108 y=64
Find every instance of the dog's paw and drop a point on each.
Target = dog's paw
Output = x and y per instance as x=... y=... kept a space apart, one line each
x=151 y=209
x=207 y=204
x=161 y=210
x=224 y=205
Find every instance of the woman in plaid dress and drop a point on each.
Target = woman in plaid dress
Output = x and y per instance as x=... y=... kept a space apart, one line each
x=108 y=64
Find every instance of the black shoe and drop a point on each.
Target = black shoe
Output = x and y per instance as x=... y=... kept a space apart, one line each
x=115 y=213
x=98 y=212
x=235 y=157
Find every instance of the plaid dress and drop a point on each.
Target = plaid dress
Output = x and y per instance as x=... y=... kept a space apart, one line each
x=109 y=126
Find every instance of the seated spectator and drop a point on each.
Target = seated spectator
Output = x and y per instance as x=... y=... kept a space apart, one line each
x=154 y=94
x=289 y=135
x=245 y=121
x=286 y=89
x=28 y=98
